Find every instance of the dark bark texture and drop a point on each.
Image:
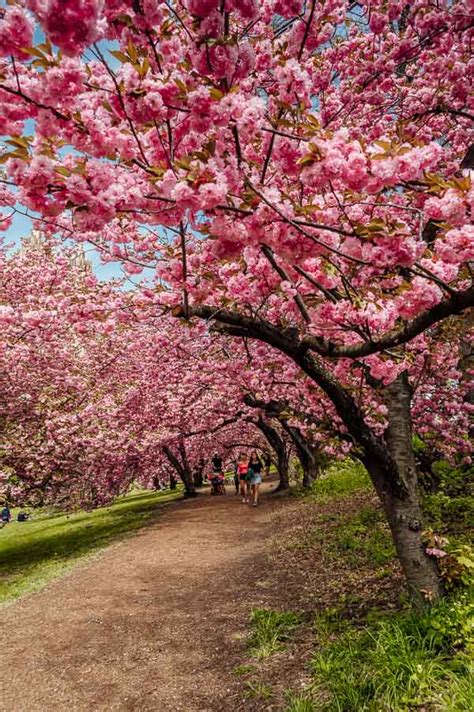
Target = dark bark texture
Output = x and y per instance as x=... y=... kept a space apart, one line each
x=279 y=446
x=404 y=514
x=181 y=466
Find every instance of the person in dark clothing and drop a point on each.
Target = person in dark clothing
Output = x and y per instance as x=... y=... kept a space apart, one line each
x=255 y=476
x=6 y=514
x=217 y=463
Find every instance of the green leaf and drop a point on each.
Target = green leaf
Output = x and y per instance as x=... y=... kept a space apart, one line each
x=119 y=55
x=132 y=51
x=216 y=93
x=22 y=141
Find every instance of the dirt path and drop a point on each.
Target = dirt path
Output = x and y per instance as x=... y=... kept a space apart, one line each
x=155 y=623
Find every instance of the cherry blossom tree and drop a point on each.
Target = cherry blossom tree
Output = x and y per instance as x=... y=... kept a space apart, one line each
x=65 y=434
x=295 y=172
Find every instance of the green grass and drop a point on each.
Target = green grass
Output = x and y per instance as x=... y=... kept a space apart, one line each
x=258 y=690
x=241 y=670
x=269 y=630
x=38 y=550
x=382 y=661
x=365 y=538
x=341 y=479
x=299 y=703
x=401 y=662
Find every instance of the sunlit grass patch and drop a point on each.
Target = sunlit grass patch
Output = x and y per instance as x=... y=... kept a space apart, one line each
x=299 y=703
x=38 y=550
x=341 y=479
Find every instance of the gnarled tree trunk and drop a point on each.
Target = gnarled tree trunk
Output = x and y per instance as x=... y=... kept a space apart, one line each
x=402 y=503
x=307 y=454
x=279 y=446
x=181 y=465
x=391 y=466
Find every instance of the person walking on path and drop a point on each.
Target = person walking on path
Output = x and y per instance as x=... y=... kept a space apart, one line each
x=255 y=468
x=242 y=469
x=236 y=477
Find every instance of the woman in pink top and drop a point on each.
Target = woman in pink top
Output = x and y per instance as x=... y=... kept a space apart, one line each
x=242 y=470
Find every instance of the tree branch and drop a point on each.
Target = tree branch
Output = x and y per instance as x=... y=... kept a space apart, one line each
x=456 y=304
x=268 y=252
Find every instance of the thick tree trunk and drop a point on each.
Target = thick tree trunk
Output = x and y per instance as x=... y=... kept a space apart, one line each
x=278 y=445
x=186 y=475
x=405 y=520
x=311 y=470
x=403 y=508
x=283 y=471
x=182 y=468
x=391 y=465
x=307 y=454
x=188 y=481
x=198 y=474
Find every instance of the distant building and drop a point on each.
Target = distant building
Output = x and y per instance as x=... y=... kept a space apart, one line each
x=77 y=258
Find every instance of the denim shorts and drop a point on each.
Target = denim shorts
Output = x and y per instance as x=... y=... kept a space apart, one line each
x=256 y=480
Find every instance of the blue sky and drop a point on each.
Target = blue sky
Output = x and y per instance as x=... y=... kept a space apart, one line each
x=22 y=225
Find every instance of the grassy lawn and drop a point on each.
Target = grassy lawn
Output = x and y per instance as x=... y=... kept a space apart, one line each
x=36 y=551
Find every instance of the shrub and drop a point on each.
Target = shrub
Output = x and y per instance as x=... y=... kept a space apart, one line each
x=455 y=561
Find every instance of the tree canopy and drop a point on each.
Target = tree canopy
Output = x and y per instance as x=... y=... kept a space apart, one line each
x=292 y=173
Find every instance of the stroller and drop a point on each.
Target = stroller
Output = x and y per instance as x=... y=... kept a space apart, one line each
x=217 y=483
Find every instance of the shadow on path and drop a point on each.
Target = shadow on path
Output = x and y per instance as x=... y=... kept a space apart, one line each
x=156 y=623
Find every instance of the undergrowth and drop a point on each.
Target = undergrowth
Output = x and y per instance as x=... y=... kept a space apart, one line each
x=390 y=661
x=401 y=662
x=269 y=630
x=451 y=507
x=341 y=479
x=366 y=538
